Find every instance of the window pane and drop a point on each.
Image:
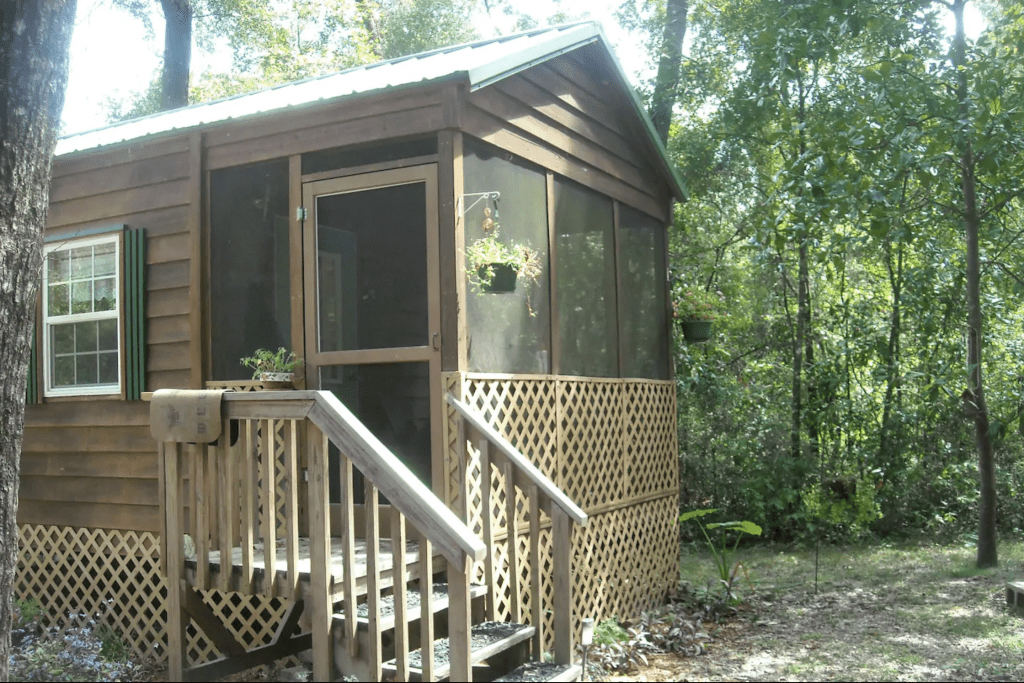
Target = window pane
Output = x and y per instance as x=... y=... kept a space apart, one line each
x=57 y=303
x=108 y=368
x=104 y=259
x=105 y=296
x=58 y=267
x=509 y=331
x=107 y=330
x=81 y=297
x=586 y=282
x=64 y=371
x=63 y=339
x=642 y=307
x=85 y=337
x=81 y=262
x=85 y=369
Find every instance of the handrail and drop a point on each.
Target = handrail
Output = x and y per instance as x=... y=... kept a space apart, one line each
x=449 y=535
x=536 y=477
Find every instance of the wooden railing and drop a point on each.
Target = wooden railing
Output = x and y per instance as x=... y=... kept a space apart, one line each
x=517 y=472
x=246 y=472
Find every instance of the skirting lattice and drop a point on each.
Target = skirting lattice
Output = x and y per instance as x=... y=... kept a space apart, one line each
x=79 y=574
x=610 y=444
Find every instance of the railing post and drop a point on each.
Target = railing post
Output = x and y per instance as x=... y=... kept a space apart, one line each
x=399 y=591
x=170 y=463
x=319 y=554
x=561 y=547
x=536 y=593
x=459 y=620
x=487 y=522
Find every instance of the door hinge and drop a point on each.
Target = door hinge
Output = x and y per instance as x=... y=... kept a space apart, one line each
x=300 y=213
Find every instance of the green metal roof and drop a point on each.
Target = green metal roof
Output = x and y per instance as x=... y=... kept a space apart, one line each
x=480 y=64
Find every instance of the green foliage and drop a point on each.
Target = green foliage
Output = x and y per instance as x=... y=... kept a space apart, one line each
x=483 y=254
x=727 y=571
x=265 y=360
x=609 y=631
x=696 y=304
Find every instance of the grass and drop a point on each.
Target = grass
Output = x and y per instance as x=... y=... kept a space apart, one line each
x=895 y=612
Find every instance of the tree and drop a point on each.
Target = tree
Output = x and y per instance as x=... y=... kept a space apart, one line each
x=35 y=36
x=177 y=53
x=666 y=83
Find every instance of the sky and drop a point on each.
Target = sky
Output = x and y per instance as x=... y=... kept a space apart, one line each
x=112 y=58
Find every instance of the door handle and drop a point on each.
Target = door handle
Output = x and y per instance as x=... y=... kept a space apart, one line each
x=435 y=342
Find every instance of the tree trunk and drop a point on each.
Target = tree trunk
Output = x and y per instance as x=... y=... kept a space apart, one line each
x=177 y=53
x=974 y=397
x=666 y=84
x=888 y=442
x=34 y=41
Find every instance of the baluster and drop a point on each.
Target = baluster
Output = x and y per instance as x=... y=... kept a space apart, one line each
x=398 y=572
x=170 y=463
x=269 y=531
x=536 y=594
x=348 y=542
x=319 y=553
x=427 y=609
x=228 y=507
x=513 y=542
x=487 y=521
x=373 y=579
x=458 y=620
x=291 y=510
x=249 y=516
x=200 y=515
x=561 y=548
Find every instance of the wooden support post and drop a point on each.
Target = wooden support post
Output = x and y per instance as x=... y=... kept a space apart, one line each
x=200 y=515
x=398 y=572
x=319 y=555
x=561 y=548
x=459 y=620
x=226 y=455
x=170 y=463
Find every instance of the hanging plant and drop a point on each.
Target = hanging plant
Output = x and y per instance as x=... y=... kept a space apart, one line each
x=695 y=311
x=495 y=267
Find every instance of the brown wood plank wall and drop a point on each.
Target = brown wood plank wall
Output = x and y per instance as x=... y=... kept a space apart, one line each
x=561 y=118
x=92 y=462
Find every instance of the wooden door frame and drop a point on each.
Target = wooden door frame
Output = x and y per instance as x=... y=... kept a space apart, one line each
x=430 y=351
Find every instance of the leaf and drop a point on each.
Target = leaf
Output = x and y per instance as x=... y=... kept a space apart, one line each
x=686 y=516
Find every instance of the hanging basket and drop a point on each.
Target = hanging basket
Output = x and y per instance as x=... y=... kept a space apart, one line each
x=696 y=331
x=503 y=280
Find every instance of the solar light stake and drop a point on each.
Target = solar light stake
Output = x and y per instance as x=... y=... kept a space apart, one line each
x=585 y=640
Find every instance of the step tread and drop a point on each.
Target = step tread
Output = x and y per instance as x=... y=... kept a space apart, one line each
x=486 y=640
x=542 y=671
x=412 y=603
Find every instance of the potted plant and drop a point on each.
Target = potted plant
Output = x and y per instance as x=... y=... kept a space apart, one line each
x=276 y=369
x=495 y=267
x=695 y=311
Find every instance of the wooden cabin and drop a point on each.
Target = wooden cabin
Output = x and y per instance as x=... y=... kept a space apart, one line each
x=511 y=436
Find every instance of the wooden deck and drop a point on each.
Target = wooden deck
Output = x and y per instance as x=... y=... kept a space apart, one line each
x=385 y=563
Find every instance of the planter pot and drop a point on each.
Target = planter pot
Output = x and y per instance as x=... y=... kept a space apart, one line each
x=504 y=280
x=277 y=381
x=696 y=331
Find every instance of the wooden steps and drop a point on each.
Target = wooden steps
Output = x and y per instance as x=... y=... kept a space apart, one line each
x=386 y=617
x=488 y=639
x=1015 y=593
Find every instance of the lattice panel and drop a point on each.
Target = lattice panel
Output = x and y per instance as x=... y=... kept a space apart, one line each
x=650 y=438
x=78 y=574
x=590 y=441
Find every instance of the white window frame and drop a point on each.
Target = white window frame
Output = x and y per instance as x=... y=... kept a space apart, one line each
x=49 y=390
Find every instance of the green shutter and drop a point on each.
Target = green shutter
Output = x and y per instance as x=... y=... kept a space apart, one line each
x=32 y=386
x=134 y=312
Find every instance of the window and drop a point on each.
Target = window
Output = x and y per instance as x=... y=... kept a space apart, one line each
x=81 y=317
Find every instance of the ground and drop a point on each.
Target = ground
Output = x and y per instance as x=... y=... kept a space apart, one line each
x=913 y=613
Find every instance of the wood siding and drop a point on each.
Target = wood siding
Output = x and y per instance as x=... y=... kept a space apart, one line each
x=571 y=120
